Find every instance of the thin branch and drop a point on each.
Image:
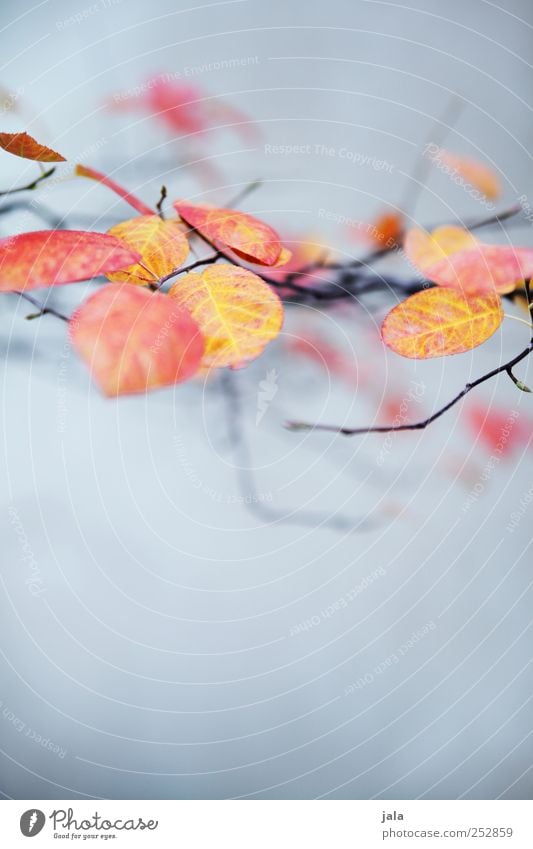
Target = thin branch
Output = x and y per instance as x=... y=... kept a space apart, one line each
x=160 y=202
x=30 y=186
x=248 y=488
x=243 y=193
x=440 y=129
x=185 y=268
x=345 y=431
x=41 y=211
x=43 y=310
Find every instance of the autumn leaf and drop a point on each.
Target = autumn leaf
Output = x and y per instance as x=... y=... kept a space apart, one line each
x=84 y=171
x=424 y=249
x=384 y=232
x=484 y=268
x=236 y=311
x=161 y=244
x=387 y=229
x=184 y=108
x=134 y=340
x=328 y=357
x=499 y=430
x=245 y=235
x=23 y=145
x=54 y=257
x=478 y=175
x=308 y=254
x=440 y=322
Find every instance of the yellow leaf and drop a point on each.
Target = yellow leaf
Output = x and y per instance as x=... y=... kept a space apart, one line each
x=439 y=322
x=424 y=249
x=161 y=244
x=236 y=311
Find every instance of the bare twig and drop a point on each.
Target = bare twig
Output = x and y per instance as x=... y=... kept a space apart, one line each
x=43 y=310
x=160 y=202
x=346 y=431
x=29 y=186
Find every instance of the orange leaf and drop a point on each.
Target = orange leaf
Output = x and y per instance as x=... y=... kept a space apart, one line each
x=478 y=175
x=84 y=171
x=440 y=322
x=161 y=244
x=236 y=311
x=21 y=144
x=54 y=257
x=424 y=250
x=387 y=229
x=485 y=268
x=133 y=340
x=247 y=236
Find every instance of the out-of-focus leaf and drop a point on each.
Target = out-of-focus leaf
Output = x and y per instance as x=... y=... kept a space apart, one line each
x=245 y=235
x=134 y=341
x=84 y=171
x=484 y=268
x=424 y=249
x=387 y=229
x=440 y=322
x=161 y=244
x=478 y=175
x=236 y=311
x=499 y=430
x=53 y=257
x=23 y=145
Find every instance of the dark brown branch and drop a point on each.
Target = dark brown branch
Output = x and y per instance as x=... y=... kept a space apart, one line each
x=160 y=202
x=345 y=431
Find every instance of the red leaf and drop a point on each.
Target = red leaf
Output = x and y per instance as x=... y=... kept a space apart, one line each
x=499 y=430
x=53 y=257
x=83 y=171
x=484 y=268
x=133 y=340
x=245 y=235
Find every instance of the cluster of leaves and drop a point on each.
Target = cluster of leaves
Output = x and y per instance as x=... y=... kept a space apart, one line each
x=134 y=335
x=162 y=320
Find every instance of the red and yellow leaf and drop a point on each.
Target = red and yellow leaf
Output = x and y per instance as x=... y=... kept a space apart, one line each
x=23 y=145
x=54 y=257
x=236 y=311
x=440 y=322
x=484 y=268
x=92 y=174
x=478 y=175
x=133 y=340
x=424 y=249
x=245 y=235
x=161 y=244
